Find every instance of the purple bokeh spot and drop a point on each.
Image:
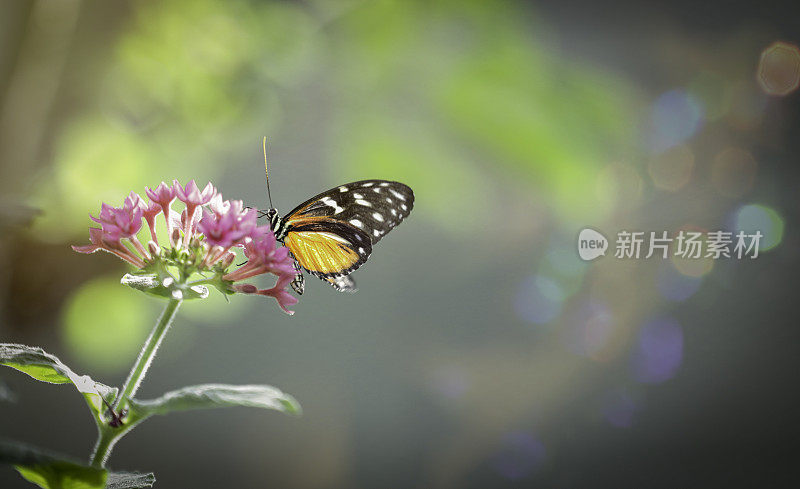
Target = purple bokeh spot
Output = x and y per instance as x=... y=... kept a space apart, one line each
x=519 y=456
x=659 y=351
x=676 y=286
x=675 y=117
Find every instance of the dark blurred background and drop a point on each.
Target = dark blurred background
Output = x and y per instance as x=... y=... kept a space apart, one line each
x=480 y=351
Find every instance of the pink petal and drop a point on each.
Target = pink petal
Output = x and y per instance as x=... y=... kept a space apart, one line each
x=86 y=248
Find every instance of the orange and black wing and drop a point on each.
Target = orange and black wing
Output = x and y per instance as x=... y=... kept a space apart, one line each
x=333 y=233
x=328 y=248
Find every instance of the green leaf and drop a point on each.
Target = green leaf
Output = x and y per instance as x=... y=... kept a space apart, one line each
x=50 y=471
x=130 y=480
x=54 y=471
x=207 y=396
x=63 y=475
x=47 y=368
x=34 y=362
x=168 y=288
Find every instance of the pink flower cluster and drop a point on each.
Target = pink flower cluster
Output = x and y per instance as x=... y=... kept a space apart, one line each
x=208 y=227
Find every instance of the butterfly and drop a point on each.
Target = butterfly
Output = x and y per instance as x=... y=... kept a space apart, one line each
x=332 y=234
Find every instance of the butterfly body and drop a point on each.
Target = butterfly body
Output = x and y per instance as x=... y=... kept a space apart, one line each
x=333 y=233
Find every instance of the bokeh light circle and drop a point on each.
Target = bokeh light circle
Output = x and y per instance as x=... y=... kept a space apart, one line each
x=676 y=116
x=105 y=323
x=755 y=217
x=779 y=69
x=658 y=352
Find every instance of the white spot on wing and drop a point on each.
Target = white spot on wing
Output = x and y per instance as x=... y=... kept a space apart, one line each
x=394 y=212
x=363 y=202
x=342 y=189
x=378 y=217
x=404 y=207
x=389 y=200
x=332 y=203
x=357 y=196
x=356 y=223
x=376 y=233
x=385 y=184
x=368 y=184
x=397 y=194
x=360 y=250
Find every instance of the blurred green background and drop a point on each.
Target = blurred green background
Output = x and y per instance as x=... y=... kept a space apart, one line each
x=480 y=350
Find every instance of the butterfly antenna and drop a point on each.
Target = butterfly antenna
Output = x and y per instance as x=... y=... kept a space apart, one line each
x=266 y=172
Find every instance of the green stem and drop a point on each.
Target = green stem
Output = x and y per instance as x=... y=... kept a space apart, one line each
x=106 y=438
x=147 y=354
x=204 y=281
x=108 y=435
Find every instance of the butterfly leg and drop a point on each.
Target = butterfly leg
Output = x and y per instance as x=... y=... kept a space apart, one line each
x=299 y=283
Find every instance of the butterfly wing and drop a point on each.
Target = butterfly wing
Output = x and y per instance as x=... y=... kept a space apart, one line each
x=332 y=233
x=328 y=248
x=344 y=283
x=373 y=206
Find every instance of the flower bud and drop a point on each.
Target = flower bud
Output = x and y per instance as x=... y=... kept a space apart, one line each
x=245 y=288
x=154 y=249
x=228 y=260
x=175 y=239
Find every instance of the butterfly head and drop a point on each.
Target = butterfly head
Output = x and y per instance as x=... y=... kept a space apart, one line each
x=272 y=216
x=277 y=224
